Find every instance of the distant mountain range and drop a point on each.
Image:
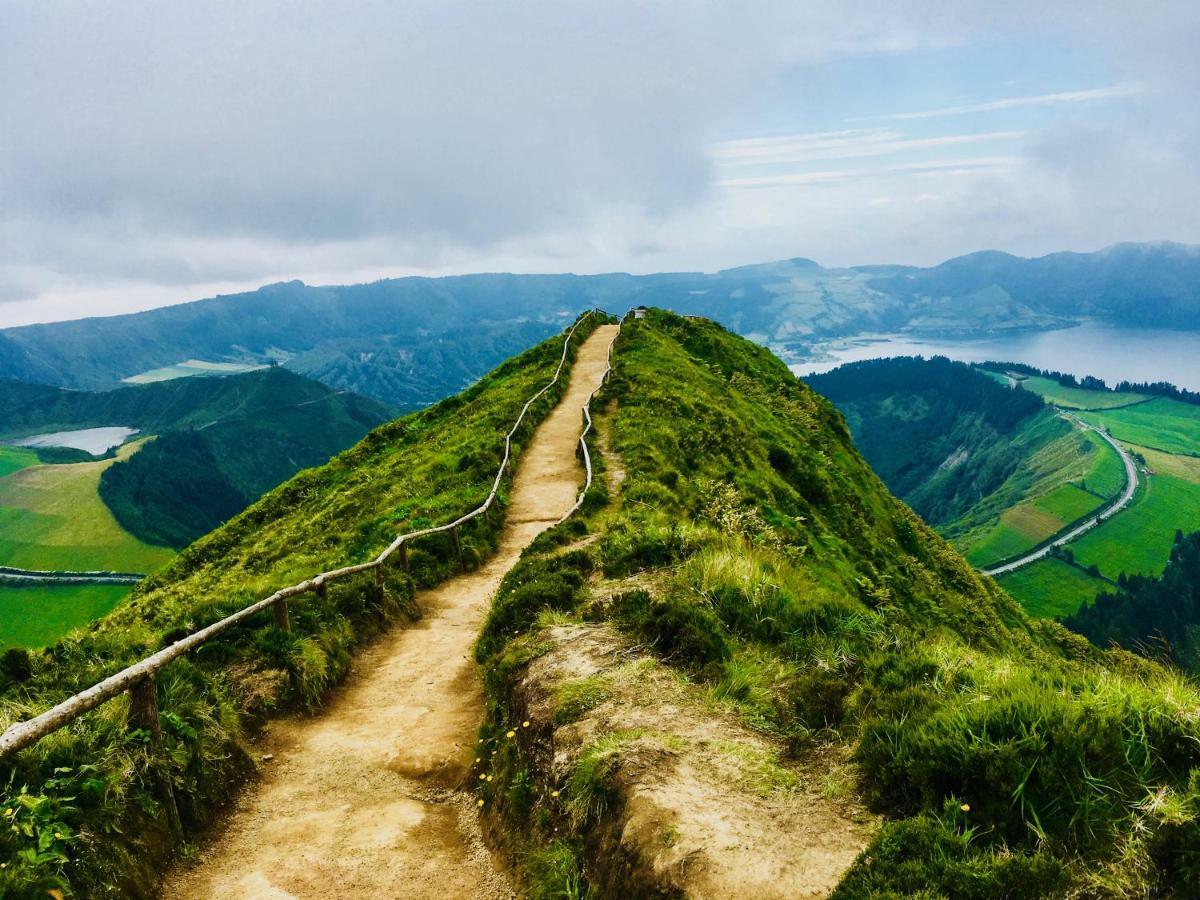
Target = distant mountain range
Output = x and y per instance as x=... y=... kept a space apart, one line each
x=411 y=341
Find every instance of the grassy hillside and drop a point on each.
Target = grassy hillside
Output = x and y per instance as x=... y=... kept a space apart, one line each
x=1139 y=539
x=940 y=434
x=37 y=615
x=13 y=459
x=1161 y=424
x=52 y=517
x=1062 y=481
x=88 y=816
x=754 y=550
x=187 y=482
x=152 y=408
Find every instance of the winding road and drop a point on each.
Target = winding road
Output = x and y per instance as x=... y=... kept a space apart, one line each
x=1131 y=483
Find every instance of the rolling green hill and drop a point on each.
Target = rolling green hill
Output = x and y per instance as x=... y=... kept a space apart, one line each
x=751 y=547
x=1137 y=541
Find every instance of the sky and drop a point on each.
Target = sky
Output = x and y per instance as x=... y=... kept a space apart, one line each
x=152 y=153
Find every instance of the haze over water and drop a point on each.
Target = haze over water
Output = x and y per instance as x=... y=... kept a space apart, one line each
x=1112 y=353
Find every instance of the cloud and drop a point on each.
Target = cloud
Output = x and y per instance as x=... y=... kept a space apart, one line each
x=154 y=152
x=796 y=148
x=1083 y=96
x=991 y=164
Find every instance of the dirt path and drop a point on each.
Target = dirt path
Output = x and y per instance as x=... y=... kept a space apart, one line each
x=362 y=800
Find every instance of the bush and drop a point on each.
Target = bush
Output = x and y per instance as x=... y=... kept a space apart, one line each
x=938 y=856
x=534 y=584
x=682 y=632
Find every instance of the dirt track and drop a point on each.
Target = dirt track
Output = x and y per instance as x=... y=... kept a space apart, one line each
x=363 y=799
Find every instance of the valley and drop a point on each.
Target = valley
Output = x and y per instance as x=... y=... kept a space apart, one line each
x=1138 y=539
x=52 y=518
x=1044 y=500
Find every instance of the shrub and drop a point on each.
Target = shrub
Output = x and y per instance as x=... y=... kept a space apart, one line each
x=682 y=632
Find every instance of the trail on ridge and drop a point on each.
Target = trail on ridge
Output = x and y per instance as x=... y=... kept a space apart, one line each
x=364 y=799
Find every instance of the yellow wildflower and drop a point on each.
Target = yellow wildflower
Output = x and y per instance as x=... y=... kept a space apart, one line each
x=966 y=807
x=511 y=734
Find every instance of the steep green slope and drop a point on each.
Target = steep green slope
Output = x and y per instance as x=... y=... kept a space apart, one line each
x=754 y=549
x=85 y=795
x=989 y=467
x=153 y=408
x=940 y=434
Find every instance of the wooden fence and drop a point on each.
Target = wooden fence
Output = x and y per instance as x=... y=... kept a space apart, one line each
x=139 y=677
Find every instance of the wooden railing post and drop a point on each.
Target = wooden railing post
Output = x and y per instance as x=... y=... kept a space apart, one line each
x=143 y=713
x=457 y=541
x=282 y=619
x=322 y=590
x=404 y=560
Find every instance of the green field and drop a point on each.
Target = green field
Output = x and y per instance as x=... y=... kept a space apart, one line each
x=1030 y=523
x=1138 y=539
x=13 y=459
x=51 y=517
x=38 y=615
x=1162 y=423
x=1085 y=482
x=1079 y=398
x=1052 y=588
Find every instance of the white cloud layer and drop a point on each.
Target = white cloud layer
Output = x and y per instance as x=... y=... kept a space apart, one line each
x=154 y=152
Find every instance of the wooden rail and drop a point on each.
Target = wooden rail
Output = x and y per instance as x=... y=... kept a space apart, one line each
x=139 y=677
x=587 y=427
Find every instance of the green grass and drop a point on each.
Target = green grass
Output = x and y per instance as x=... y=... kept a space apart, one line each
x=13 y=459
x=1051 y=588
x=1106 y=476
x=52 y=517
x=1078 y=398
x=1028 y=524
x=1058 y=483
x=38 y=615
x=426 y=468
x=754 y=550
x=1162 y=423
x=1138 y=539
